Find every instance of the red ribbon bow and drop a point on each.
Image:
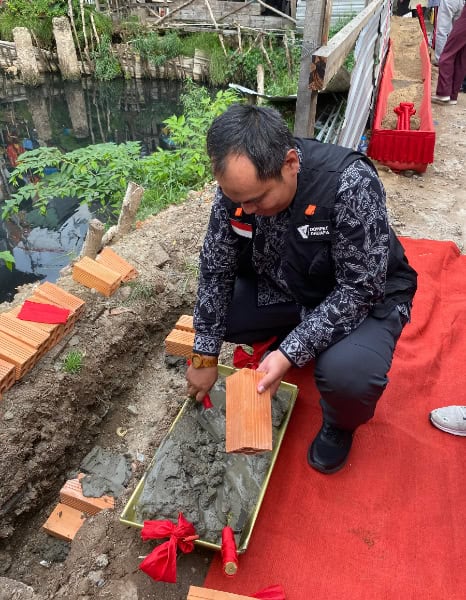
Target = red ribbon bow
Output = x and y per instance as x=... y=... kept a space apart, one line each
x=241 y=359
x=160 y=564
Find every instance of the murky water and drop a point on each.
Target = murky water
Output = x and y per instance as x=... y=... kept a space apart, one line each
x=68 y=116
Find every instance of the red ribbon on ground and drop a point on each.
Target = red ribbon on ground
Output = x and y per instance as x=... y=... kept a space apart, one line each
x=160 y=564
x=43 y=313
x=274 y=592
x=241 y=359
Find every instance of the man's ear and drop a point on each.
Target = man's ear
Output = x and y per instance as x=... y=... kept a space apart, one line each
x=291 y=163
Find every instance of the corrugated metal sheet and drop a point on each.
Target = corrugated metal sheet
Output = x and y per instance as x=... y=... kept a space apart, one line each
x=370 y=50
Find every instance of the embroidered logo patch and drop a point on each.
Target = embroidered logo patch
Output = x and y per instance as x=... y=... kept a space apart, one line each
x=242 y=229
x=314 y=231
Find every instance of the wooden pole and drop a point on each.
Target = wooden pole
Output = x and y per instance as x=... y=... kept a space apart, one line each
x=96 y=35
x=172 y=12
x=266 y=56
x=287 y=54
x=278 y=12
x=73 y=27
x=306 y=101
x=260 y=83
x=86 y=47
x=129 y=208
x=220 y=36
x=232 y=12
x=93 y=242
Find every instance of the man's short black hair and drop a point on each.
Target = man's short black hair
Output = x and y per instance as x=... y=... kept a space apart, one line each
x=258 y=132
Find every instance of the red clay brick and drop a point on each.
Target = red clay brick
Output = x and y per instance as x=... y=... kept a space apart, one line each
x=198 y=593
x=248 y=414
x=56 y=295
x=64 y=522
x=71 y=494
x=185 y=323
x=25 y=332
x=23 y=356
x=179 y=342
x=110 y=259
x=96 y=276
x=7 y=375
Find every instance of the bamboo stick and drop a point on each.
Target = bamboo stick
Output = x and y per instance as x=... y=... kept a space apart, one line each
x=275 y=10
x=86 y=46
x=220 y=36
x=73 y=27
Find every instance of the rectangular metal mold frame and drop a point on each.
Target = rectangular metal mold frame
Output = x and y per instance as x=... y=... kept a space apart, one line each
x=128 y=517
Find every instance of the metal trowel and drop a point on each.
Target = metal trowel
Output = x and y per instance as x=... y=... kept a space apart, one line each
x=211 y=419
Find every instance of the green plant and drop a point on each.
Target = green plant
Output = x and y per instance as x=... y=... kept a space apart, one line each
x=98 y=173
x=157 y=48
x=73 y=361
x=169 y=175
x=140 y=291
x=7 y=258
x=37 y=16
x=106 y=65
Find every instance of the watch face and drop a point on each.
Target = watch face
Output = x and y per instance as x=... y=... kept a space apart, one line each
x=196 y=361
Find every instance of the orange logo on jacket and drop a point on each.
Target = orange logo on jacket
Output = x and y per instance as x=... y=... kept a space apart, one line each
x=310 y=210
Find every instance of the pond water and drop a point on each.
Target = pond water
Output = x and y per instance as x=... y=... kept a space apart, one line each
x=69 y=116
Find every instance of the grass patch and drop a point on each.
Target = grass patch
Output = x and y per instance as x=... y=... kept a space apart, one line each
x=73 y=361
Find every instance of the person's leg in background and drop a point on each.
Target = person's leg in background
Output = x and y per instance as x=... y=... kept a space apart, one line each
x=351 y=376
x=448 y=12
x=452 y=65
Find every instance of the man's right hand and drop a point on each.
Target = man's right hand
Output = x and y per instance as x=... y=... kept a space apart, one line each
x=200 y=381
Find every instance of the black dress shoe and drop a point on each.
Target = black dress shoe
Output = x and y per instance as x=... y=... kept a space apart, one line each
x=329 y=451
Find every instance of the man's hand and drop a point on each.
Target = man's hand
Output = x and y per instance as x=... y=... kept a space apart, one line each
x=274 y=365
x=200 y=381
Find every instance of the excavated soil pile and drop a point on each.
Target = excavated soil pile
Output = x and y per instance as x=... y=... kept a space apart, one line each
x=406 y=36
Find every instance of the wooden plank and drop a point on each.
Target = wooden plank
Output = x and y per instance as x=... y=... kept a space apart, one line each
x=327 y=60
x=248 y=414
x=198 y=593
x=64 y=522
x=179 y=342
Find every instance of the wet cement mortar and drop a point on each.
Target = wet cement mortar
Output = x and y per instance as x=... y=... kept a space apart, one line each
x=128 y=393
x=191 y=472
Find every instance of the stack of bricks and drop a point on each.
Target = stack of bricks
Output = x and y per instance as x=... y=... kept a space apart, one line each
x=23 y=343
x=70 y=513
x=105 y=274
x=180 y=340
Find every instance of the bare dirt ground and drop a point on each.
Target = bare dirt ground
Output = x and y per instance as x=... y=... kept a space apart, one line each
x=50 y=419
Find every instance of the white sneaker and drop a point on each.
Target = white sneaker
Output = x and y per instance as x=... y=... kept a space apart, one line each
x=443 y=100
x=451 y=419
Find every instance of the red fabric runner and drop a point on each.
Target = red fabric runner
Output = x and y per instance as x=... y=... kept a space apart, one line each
x=43 y=313
x=390 y=525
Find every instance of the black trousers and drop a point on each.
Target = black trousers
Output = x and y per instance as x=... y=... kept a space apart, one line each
x=351 y=375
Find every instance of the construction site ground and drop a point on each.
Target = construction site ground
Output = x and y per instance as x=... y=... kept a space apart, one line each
x=127 y=393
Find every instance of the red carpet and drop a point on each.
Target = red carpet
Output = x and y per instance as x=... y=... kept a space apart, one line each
x=392 y=524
